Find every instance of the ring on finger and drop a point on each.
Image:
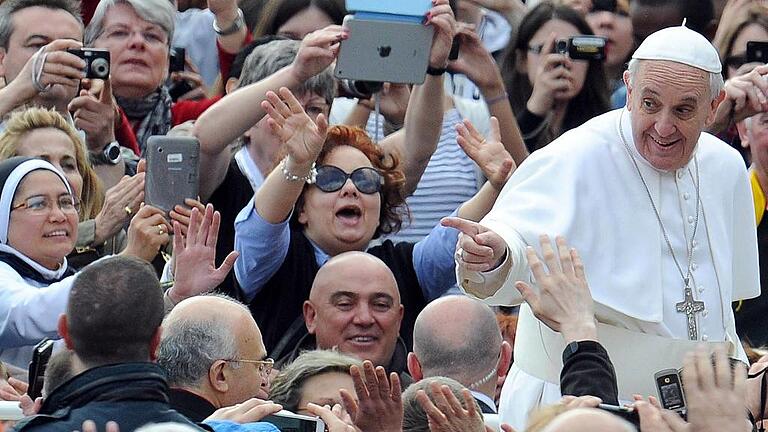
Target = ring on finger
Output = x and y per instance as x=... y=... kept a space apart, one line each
x=128 y=210
x=459 y=255
x=160 y=230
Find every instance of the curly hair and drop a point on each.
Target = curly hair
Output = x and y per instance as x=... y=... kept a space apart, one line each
x=393 y=207
x=24 y=122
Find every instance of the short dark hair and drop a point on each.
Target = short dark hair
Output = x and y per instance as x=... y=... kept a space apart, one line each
x=9 y=7
x=698 y=13
x=115 y=307
x=237 y=64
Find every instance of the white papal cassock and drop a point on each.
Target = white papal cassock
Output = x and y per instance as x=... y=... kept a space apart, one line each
x=585 y=186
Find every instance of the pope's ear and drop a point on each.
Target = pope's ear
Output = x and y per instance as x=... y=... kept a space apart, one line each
x=713 y=107
x=625 y=77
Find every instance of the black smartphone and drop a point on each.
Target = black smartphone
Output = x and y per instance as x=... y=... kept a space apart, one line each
x=670 y=389
x=628 y=414
x=176 y=58
x=40 y=356
x=757 y=52
x=456 y=46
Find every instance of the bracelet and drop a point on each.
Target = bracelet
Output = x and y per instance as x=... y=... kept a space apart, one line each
x=237 y=24
x=435 y=71
x=497 y=99
x=308 y=178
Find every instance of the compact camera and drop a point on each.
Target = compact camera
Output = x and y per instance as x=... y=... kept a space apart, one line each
x=582 y=47
x=96 y=61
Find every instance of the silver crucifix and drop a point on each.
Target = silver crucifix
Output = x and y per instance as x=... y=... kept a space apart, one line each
x=690 y=307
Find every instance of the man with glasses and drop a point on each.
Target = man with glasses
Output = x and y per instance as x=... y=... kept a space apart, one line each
x=214 y=356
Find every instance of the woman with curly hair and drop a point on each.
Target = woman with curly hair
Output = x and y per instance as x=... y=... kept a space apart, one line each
x=334 y=192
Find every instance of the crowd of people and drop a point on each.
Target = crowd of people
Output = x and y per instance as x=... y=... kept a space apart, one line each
x=540 y=236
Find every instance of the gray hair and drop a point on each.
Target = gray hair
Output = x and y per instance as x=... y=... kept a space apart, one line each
x=9 y=7
x=468 y=355
x=287 y=388
x=189 y=348
x=167 y=427
x=716 y=82
x=159 y=12
x=414 y=417
x=268 y=58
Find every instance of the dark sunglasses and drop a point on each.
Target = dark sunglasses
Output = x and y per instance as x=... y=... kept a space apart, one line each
x=736 y=61
x=330 y=178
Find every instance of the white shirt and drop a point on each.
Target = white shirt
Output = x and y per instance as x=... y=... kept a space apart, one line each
x=584 y=186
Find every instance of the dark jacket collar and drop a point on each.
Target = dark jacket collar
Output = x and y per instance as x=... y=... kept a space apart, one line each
x=116 y=382
x=190 y=405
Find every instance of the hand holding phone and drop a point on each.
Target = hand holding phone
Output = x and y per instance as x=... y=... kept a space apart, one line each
x=287 y=421
x=40 y=356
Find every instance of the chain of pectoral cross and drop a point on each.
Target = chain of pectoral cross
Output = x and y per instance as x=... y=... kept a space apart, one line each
x=689 y=306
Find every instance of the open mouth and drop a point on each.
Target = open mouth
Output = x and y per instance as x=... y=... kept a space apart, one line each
x=349 y=214
x=363 y=340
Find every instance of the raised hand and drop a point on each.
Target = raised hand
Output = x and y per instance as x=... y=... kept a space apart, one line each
x=183 y=213
x=489 y=154
x=477 y=63
x=195 y=256
x=446 y=414
x=441 y=17
x=379 y=407
x=302 y=138
x=120 y=202
x=94 y=113
x=50 y=65
x=564 y=302
x=147 y=233
x=553 y=79
x=478 y=249
x=715 y=394
x=317 y=51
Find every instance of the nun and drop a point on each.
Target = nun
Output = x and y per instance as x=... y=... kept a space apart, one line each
x=38 y=229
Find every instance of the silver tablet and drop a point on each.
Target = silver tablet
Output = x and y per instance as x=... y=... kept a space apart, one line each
x=384 y=51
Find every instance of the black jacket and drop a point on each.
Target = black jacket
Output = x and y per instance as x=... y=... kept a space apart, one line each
x=131 y=394
x=190 y=405
x=588 y=371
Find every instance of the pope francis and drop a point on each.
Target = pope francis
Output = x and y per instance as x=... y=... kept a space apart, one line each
x=660 y=212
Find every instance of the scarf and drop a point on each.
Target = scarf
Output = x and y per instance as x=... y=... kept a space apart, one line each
x=154 y=111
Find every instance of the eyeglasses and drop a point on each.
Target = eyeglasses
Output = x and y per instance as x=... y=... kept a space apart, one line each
x=330 y=178
x=264 y=366
x=41 y=204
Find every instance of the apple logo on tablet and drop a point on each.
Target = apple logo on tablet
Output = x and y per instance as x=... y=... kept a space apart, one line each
x=384 y=51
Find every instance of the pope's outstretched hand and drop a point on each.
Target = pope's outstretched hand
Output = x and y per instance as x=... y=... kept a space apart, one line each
x=478 y=249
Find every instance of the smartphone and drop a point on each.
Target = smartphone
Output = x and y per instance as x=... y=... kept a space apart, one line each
x=670 y=389
x=173 y=164
x=757 y=52
x=628 y=414
x=40 y=356
x=287 y=421
x=176 y=59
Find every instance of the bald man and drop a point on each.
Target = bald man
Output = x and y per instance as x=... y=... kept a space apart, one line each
x=468 y=347
x=214 y=356
x=354 y=305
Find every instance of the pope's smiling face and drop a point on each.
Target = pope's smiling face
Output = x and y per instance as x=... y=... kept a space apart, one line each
x=670 y=105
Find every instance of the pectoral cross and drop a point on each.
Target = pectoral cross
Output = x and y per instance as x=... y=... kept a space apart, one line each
x=690 y=307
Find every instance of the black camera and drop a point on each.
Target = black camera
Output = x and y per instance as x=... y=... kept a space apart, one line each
x=96 y=61
x=358 y=89
x=176 y=59
x=582 y=47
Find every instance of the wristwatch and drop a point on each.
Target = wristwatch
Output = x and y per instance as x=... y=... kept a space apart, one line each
x=237 y=24
x=110 y=154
